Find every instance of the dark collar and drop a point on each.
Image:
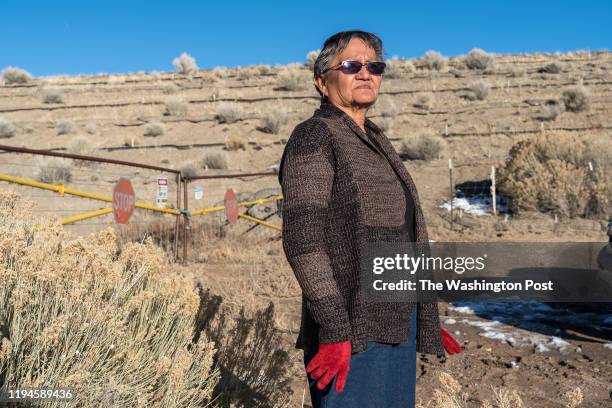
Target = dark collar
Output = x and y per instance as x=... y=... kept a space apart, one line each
x=372 y=131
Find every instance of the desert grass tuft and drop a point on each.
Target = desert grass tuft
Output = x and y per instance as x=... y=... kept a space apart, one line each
x=54 y=170
x=7 y=129
x=215 y=160
x=423 y=146
x=229 y=112
x=154 y=129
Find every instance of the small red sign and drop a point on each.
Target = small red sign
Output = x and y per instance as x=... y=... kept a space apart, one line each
x=231 y=206
x=124 y=200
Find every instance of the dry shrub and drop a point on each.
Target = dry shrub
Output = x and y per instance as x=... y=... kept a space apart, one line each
x=157 y=227
x=215 y=160
x=51 y=95
x=16 y=75
x=506 y=398
x=91 y=128
x=247 y=73
x=422 y=147
x=386 y=106
x=449 y=394
x=393 y=68
x=154 y=129
x=54 y=170
x=576 y=99
x=254 y=367
x=424 y=101
x=478 y=59
x=234 y=142
x=551 y=112
x=222 y=72
x=551 y=68
x=189 y=170
x=273 y=120
x=433 y=60
x=573 y=398
x=290 y=79
x=550 y=173
x=175 y=107
x=82 y=146
x=185 y=64
x=65 y=127
x=111 y=324
x=229 y=112
x=311 y=58
x=7 y=129
x=479 y=90
x=263 y=69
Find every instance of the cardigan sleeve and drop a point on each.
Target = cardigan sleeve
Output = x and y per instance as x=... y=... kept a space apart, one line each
x=306 y=175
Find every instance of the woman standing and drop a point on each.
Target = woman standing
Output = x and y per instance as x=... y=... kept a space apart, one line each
x=343 y=185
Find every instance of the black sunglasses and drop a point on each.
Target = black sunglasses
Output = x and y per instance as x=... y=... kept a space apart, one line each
x=353 y=67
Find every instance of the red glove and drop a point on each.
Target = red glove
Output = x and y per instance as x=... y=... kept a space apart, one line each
x=331 y=359
x=450 y=344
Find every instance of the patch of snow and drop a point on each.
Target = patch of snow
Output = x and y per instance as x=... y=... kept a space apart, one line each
x=496 y=335
x=462 y=309
x=477 y=204
x=557 y=342
x=450 y=321
x=528 y=324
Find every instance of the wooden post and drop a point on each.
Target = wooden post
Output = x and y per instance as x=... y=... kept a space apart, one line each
x=450 y=176
x=186 y=226
x=493 y=195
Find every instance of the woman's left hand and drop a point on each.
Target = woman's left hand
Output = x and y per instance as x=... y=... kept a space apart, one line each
x=450 y=344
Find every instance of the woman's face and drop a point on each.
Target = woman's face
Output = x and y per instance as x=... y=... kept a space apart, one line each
x=352 y=90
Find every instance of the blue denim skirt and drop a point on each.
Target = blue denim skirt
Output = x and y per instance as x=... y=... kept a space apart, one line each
x=382 y=376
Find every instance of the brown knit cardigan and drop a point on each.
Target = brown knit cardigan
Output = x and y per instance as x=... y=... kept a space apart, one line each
x=339 y=192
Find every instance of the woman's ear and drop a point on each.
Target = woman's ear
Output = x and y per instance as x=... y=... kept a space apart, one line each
x=320 y=84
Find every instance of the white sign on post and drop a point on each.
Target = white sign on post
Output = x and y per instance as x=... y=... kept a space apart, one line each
x=198 y=192
x=162 y=192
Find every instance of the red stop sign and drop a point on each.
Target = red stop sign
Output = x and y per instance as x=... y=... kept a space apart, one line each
x=124 y=199
x=231 y=206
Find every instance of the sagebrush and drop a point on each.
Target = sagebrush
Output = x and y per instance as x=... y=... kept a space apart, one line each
x=113 y=325
x=557 y=174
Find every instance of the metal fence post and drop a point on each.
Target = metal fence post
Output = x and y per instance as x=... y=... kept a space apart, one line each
x=178 y=217
x=186 y=226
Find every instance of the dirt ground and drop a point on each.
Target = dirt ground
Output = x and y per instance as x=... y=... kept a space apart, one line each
x=542 y=362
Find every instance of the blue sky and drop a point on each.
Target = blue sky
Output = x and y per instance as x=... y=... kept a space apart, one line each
x=89 y=36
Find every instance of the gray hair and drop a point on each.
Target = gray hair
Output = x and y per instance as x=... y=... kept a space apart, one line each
x=337 y=43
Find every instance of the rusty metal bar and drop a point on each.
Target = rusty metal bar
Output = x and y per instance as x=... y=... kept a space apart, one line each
x=269 y=173
x=87 y=158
